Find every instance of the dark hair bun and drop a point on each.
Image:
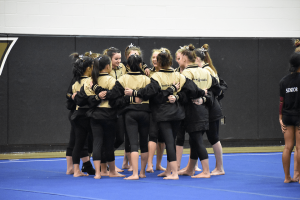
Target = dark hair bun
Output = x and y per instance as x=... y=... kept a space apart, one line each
x=294 y=62
x=191 y=47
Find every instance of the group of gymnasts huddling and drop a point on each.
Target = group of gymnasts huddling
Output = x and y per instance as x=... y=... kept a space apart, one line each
x=150 y=108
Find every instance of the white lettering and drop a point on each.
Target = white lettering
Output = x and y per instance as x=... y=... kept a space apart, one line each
x=294 y=89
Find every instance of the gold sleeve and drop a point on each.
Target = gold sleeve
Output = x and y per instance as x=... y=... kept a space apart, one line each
x=112 y=82
x=122 y=81
x=187 y=73
x=157 y=78
x=182 y=81
x=212 y=73
x=209 y=80
x=87 y=89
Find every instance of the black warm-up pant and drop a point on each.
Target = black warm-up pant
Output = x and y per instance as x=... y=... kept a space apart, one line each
x=197 y=147
x=104 y=133
x=169 y=130
x=120 y=132
x=180 y=135
x=90 y=141
x=154 y=132
x=82 y=128
x=213 y=132
x=137 y=125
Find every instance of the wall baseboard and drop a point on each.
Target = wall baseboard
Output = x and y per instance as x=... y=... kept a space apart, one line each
x=62 y=147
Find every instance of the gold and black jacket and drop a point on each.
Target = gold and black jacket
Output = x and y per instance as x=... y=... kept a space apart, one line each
x=161 y=87
x=81 y=103
x=197 y=116
x=215 y=110
x=70 y=104
x=135 y=81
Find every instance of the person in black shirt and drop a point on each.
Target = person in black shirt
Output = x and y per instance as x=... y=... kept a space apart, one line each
x=289 y=114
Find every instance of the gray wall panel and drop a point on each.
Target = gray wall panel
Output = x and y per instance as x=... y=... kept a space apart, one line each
x=98 y=44
x=40 y=71
x=236 y=61
x=147 y=44
x=273 y=66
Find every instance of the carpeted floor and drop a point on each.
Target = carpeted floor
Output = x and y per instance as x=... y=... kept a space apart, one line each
x=248 y=176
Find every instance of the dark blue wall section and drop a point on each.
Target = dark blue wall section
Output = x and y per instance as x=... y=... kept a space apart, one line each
x=38 y=71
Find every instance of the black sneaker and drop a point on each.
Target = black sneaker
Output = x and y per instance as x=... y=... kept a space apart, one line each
x=88 y=168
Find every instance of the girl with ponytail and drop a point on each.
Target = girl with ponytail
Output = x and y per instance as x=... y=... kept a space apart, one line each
x=197 y=115
x=103 y=117
x=156 y=141
x=135 y=113
x=87 y=166
x=132 y=50
x=215 y=112
x=82 y=70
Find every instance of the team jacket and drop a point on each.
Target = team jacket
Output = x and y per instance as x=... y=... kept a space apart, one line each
x=289 y=90
x=100 y=109
x=215 y=111
x=161 y=87
x=81 y=106
x=197 y=116
x=133 y=80
x=70 y=104
x=118 y=72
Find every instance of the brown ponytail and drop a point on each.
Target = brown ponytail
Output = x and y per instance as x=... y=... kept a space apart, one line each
x=188 y=50
x=297 y=45
x=207 y=58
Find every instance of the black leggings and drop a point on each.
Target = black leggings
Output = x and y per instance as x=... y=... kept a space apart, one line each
x=127 y=142
x=169 y=131
x=213 y=132
x=180 y=135
x=71 y=144
x=90 y=143
x=82 y=128
x=120 y=132
x=154 y=132
x=197 y=147
x=104 y=133
x=137 y=123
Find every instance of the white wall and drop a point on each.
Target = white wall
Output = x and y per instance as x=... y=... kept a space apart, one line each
x=199 y=18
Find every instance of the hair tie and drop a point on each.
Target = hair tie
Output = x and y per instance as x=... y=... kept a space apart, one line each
x=202 y=50
x=163 y=50
x=91 y=53
x=184 y=47
x=99 y=58
x=131 y=45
